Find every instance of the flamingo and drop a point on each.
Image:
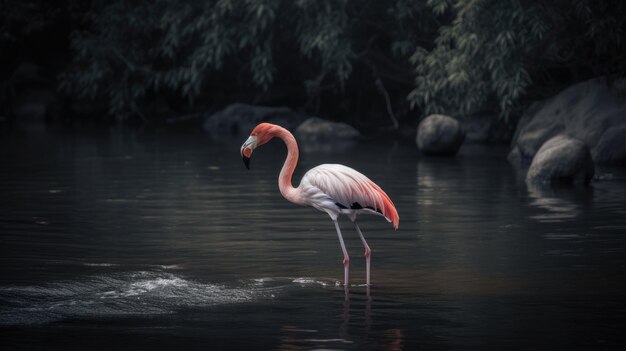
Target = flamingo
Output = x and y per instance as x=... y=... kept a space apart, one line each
x=332 y=188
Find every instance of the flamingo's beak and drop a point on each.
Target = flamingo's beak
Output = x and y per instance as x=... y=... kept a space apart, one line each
x=246 y=150
x=246 y=161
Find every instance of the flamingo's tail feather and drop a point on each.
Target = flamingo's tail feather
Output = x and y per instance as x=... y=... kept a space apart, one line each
x=388 y=209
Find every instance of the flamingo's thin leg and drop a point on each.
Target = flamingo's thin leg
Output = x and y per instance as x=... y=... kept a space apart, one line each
x=346 y=258
x=368 y=253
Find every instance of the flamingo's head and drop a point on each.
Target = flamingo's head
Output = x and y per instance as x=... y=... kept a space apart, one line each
x=260 y=135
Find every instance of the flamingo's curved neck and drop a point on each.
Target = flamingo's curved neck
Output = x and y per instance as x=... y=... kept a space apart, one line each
x=284 y=179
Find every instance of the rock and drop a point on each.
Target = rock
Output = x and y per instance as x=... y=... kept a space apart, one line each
x=238 y=120
x=611 y=146
x=32 y=100
x=34 y=106
x=562 y=158
x=592 y=111
x=477 y=129
x=320 y=135
x=316 y=129
x=440 y=135
x=485 y=128
x=515 y=157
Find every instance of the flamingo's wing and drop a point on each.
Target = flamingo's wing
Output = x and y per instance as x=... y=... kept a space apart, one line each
x=338 y=186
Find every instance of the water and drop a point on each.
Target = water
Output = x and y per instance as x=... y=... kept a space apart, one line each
x=149 y=240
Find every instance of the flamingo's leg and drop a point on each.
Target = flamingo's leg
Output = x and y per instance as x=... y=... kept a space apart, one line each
x=368 y=253
x=346 y=258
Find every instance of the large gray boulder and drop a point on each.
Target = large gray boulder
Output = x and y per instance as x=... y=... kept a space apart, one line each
x=440 y=135
x=319 y=135
x=562 y=159
x=238 y=120
x=593 y=111
x=318 y=129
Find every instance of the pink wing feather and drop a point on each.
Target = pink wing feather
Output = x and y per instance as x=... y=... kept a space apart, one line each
x=347 y=187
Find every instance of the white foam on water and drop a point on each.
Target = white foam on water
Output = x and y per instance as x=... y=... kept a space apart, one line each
x=290 y=281
x=135 y=293
x=100 y=264
x=130 y=293
x=310 y=281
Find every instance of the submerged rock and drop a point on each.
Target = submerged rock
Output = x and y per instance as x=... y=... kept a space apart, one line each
x=562 y=159
x=440 y=135
x=238 y=120
x=593 y=111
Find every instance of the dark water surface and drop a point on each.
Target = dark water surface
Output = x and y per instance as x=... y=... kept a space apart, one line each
x=158 y=241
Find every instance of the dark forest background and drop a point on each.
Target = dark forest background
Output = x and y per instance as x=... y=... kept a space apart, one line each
x=373 y=64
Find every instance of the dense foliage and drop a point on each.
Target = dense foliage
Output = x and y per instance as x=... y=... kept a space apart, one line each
x=136 y=50
x=492 y=50
x=343 y=57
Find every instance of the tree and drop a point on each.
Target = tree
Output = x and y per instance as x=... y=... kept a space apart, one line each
x=339 y=57
x=492 y=51
x=134 y=50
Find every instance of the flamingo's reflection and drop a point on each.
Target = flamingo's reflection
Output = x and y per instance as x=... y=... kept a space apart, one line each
x=353 y=330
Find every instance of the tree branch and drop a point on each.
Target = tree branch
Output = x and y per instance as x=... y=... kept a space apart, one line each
x=381 y=89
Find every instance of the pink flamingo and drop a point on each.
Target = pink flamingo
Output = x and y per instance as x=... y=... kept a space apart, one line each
x=331 y=188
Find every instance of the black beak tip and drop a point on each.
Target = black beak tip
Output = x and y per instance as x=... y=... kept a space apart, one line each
x=246 y=161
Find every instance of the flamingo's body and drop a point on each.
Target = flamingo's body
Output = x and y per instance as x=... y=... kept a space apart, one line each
x=331 y=188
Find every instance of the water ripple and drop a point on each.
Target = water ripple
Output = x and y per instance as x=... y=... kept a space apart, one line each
x=130 y=293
